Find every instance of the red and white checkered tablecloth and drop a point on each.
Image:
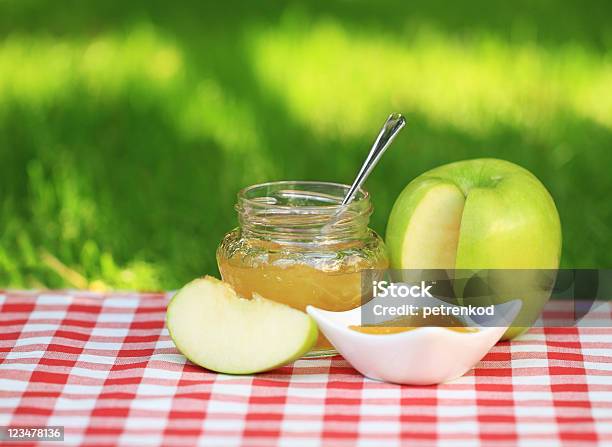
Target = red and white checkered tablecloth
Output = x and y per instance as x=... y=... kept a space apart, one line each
x=102 y=366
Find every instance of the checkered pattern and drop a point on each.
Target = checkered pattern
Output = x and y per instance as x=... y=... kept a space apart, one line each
x=104 y=367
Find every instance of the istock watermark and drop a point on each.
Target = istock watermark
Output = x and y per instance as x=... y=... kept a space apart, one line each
x=545 y=297
x=384 y=289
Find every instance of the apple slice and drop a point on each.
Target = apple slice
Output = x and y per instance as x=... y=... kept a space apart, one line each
x=215 y=328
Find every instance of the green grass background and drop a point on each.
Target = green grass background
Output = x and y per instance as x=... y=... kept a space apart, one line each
x=126 y=127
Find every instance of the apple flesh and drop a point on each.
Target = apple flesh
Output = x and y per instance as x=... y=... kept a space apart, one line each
x=220 y=331
x=478 y=214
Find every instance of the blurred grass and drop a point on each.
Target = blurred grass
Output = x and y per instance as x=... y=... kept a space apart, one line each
x=127 y=128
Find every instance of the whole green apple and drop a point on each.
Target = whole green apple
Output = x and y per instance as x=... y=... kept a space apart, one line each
x=480 y=214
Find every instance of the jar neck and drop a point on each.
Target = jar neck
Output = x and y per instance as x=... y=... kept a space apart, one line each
x=302 y=213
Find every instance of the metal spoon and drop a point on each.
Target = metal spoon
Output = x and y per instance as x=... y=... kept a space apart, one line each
x=392 y=126
x=390 y=129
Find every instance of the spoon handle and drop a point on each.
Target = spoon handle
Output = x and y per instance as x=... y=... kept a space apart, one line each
x=392 y=126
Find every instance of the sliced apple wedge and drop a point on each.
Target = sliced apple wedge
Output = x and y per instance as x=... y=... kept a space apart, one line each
x=215 y=328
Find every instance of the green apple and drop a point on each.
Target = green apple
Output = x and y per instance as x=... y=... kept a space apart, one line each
x=220 y=331
x=477 y=214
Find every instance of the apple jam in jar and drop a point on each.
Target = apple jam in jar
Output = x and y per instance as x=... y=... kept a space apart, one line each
x=296 y=246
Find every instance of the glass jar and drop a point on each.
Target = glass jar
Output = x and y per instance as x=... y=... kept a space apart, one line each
x=296 y=246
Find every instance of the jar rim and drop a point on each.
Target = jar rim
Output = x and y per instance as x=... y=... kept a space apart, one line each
x=362 y=196
x=305 y=211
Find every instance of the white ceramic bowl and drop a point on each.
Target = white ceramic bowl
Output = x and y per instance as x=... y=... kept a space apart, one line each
x=422 y=356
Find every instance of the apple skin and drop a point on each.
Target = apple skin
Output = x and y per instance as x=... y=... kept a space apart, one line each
x=509 y=221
